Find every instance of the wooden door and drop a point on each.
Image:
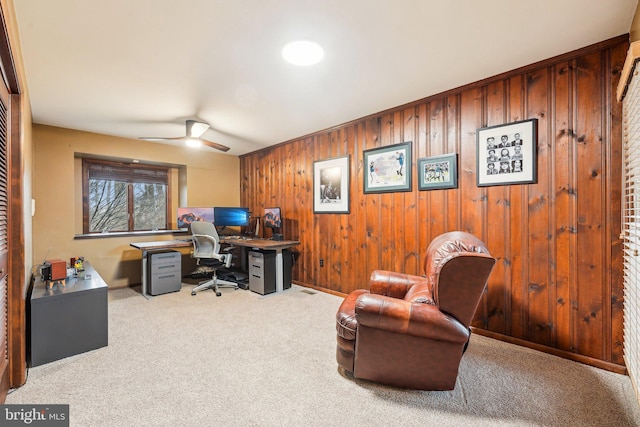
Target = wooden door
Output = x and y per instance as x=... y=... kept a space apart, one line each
x=4 y=233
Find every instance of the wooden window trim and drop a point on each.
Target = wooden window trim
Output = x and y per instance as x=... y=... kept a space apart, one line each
x=89 y=163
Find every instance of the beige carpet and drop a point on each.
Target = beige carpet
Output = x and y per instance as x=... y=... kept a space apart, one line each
x=247 y=360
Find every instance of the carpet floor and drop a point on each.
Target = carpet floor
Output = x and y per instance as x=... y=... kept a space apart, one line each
x=243 y=359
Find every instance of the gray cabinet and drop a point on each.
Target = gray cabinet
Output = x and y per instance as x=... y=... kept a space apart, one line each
x=262 y=272
x=165 y=272
x=67 y=320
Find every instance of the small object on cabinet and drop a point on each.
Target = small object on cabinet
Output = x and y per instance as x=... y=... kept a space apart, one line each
x=54 y=271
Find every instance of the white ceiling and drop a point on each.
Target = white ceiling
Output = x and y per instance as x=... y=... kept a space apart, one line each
x=134 y=68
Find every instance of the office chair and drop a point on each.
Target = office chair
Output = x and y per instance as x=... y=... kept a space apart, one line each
x=206 y=248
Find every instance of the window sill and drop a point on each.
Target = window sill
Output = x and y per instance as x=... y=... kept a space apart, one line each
x=129 y=234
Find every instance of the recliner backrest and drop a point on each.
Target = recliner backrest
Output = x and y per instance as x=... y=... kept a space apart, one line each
x=457 y=266
x=460 y=284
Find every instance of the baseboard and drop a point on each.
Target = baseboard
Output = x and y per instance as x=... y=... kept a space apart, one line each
x=608 y=366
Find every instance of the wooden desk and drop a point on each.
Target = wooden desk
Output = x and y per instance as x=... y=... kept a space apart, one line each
x=263 y=244
x=266 y=245
x=145 y=247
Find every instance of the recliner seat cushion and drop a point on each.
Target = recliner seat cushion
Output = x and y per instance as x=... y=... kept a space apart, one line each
x=420 y=293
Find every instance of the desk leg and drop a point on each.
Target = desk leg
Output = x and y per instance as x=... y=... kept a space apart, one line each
x=144 y=276
x=279 y=271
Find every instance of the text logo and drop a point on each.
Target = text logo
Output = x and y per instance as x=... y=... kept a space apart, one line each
x=34 y=415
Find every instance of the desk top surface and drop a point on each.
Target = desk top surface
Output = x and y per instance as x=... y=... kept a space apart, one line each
x=248 y=242
x=162 y=244
x=71 y=285
x=252 y=242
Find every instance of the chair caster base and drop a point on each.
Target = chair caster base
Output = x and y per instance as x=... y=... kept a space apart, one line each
x=193 y=293
x=218 y=294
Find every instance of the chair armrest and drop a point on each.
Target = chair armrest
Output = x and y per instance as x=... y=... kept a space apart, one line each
x=391 y=283
x=413 y=318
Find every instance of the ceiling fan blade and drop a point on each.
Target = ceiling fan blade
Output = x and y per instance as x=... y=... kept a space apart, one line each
x=195 y=129
x=214 y=145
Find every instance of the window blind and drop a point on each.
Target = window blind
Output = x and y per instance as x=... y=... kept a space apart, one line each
x=126 y=172
x=631 y=228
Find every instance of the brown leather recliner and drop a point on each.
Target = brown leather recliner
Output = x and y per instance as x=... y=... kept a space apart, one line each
x=409 y=331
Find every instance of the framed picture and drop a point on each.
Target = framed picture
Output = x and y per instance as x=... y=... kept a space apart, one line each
x=331 y=185
x=388 y=169
x=507 y=153
x=438 y=172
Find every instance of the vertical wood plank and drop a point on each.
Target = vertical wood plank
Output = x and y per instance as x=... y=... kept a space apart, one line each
x=614 y=196
x=437 y=198
x=539 y=322
x=588 y=140
x=564 y=198
x=496 y=219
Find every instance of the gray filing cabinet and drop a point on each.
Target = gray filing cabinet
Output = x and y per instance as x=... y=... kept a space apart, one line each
x=165 y=272
x=262 y=271
x=68 y=319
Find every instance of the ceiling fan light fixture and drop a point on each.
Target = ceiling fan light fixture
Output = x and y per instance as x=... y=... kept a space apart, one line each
x=193 y=142
x=196 y=129
x=303 y=53
x=192 y=138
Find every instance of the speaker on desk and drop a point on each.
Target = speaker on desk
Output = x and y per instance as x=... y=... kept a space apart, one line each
x=55 y=269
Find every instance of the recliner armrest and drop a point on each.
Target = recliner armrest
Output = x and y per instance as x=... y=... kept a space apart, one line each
x=417 y=319
x=391 y=283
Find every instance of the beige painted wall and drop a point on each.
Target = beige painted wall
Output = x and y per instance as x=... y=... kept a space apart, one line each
x=634 y=31
x=212 y=179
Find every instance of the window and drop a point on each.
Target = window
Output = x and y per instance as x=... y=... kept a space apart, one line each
x=124 y=197
x=631 y=228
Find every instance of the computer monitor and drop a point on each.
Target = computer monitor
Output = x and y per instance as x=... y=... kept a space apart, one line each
x=230 y=217
x=272 y=218
x=187 y=215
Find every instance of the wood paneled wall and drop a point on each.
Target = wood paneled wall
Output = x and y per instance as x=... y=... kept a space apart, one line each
x=558 y=281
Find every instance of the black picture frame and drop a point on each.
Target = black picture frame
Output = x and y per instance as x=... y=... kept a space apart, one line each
x=388 y=169
x=331 y=185
x=438 y=172
x=507 y=154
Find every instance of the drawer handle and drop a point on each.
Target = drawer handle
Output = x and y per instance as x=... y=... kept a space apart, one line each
x=166 y=266
x=166 y=277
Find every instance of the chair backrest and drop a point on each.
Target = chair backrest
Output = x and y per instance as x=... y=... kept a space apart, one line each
x=458 y=265
x=206 y=242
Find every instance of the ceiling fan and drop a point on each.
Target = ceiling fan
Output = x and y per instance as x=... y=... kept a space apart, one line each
x=195 y=129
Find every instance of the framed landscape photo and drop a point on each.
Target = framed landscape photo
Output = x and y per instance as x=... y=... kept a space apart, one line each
x=507 y=154
x=331 y=185
x=438 y=172
x=388 y=169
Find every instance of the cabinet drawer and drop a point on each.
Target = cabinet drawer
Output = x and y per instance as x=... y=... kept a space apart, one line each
x=165 y=282
x=163 y=279
x=256 y=259
x=162 y=258
x=165 y=268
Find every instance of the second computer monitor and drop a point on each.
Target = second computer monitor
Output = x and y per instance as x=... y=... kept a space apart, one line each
x=272 y=218
x=230 y=217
